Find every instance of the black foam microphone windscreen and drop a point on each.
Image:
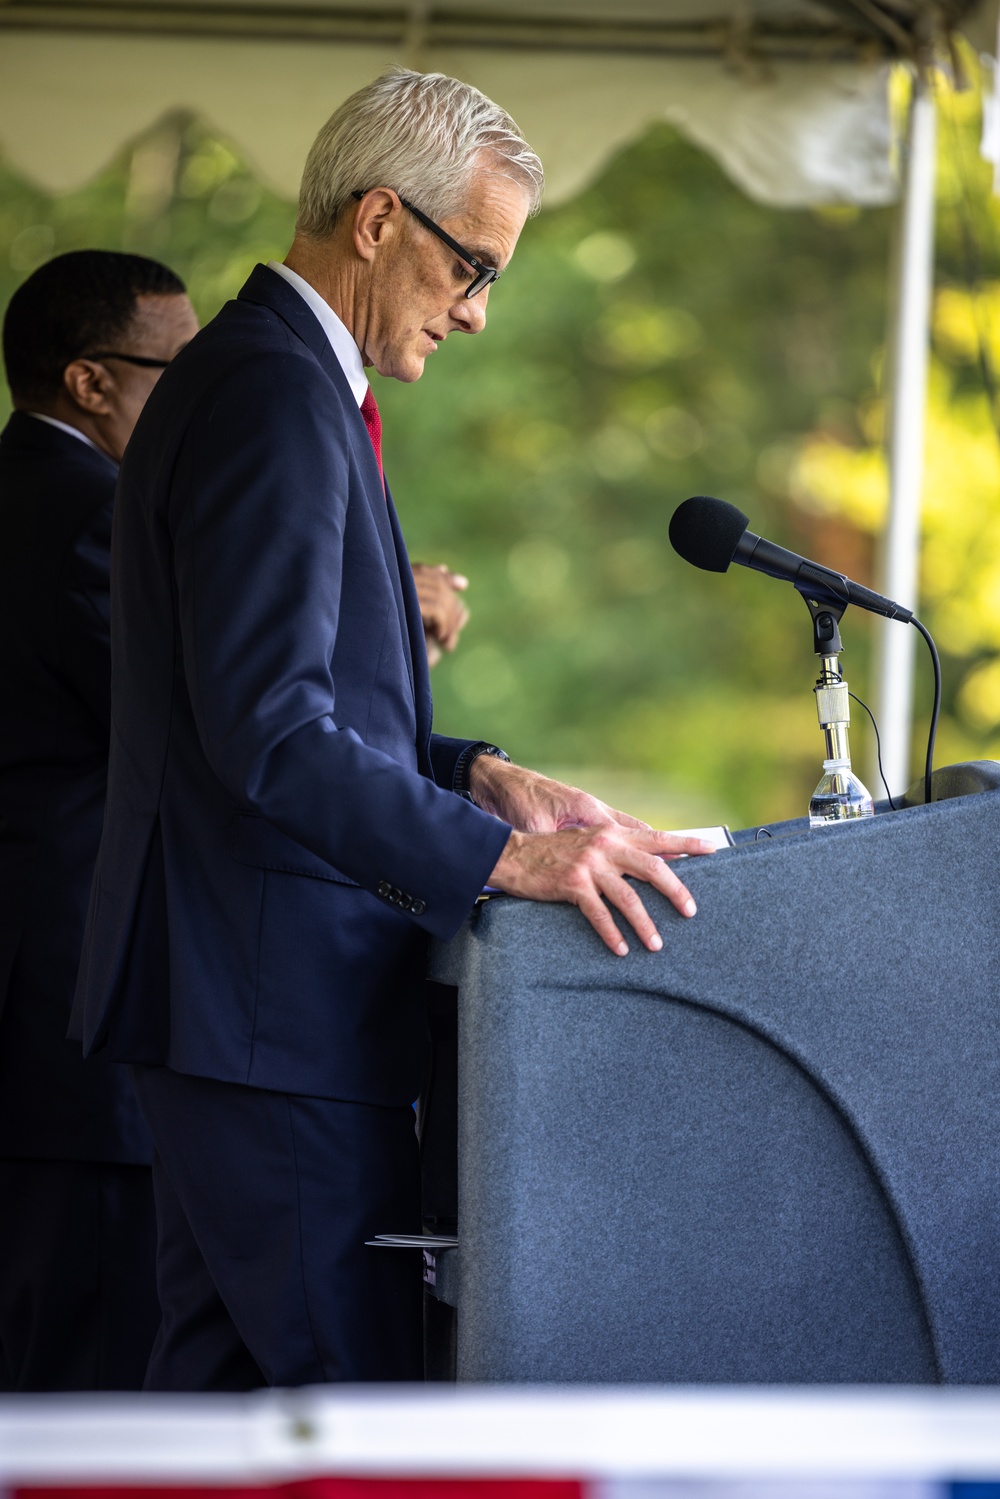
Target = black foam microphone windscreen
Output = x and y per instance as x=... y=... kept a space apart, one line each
x=705 y=532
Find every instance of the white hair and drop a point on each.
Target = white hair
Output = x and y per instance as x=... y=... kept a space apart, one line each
x=422 y=134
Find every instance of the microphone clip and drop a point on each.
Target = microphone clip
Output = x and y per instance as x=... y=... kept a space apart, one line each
x=826 y=617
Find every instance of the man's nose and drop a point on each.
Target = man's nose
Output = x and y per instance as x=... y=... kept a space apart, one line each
x=470 y=312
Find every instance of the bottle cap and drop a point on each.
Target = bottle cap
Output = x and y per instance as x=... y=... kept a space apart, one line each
x=836 y=764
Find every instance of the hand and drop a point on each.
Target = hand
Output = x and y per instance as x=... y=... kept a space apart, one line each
x=442 y=610
x=534 y=803
x=569 y=846
x=587 y=867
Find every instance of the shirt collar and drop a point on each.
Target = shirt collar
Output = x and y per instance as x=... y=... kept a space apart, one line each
x=65 y=427
x=343 y=345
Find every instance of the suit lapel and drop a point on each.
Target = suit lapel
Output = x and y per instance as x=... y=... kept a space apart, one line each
x=270 y=290
x=413 y=634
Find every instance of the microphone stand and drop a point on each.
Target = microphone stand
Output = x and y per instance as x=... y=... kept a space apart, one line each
x=833 y=704
x=840 y=787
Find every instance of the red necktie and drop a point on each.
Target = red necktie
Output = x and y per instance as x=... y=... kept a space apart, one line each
x=369 y=410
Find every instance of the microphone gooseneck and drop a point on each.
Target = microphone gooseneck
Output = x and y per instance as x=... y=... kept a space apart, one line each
x=711 y=534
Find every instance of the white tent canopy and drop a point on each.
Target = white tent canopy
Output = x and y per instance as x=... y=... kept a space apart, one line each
x=789 y=95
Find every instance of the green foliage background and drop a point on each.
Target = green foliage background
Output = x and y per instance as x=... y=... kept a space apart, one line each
x=659 y=336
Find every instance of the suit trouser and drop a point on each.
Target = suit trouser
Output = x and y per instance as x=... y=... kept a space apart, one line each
x=264 y=1201
x=78 y=1308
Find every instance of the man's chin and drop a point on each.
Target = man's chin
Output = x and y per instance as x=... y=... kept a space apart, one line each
x=407 y=367
x=412 y=370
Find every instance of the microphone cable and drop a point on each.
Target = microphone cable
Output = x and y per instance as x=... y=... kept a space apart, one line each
x=932 y=731
x=878 y=748
x=935 y=711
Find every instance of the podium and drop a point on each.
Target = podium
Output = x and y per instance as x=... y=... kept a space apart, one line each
x=769 y=1153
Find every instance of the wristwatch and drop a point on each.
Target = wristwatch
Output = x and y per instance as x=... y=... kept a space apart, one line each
x=463 y=765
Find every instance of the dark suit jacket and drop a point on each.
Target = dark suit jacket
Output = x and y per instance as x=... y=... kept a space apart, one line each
x=56 y=497
x=276 y=797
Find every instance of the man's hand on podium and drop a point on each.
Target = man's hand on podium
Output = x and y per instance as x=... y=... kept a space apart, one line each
x=568 y=846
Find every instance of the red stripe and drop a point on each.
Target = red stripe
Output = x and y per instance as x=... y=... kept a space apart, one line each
x=329 y=1488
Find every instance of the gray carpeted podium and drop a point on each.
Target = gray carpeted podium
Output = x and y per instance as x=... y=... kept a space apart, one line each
x=770 y=1152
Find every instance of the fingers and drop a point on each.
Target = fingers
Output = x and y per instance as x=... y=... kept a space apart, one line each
x=652 y=869
x=669 y=845
x=437 y=590
x=622 y=896
x=612 y=885
x=589 y=866
x=625 y=820
x=601 y=919
x=663 y=879
x=445 y=619
x=459 y=618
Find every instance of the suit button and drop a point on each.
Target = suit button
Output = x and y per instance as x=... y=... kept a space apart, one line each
x=418 y=907
x=384 y=889
x=405 y=901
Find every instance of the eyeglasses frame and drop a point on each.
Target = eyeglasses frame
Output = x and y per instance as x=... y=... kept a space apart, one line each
x=140 y=359
x=484 y=276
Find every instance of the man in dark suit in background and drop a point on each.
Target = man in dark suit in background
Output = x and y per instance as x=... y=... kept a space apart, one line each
x=283 y=830
x=85 y=339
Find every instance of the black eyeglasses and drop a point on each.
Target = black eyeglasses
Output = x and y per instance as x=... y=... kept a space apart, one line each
x=482 y=275
x=139 y=359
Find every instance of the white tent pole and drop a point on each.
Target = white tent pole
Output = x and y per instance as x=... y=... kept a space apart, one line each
x=907 y=366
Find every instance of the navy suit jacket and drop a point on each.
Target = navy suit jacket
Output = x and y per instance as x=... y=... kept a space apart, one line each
x=275 y=796
x=56 y=499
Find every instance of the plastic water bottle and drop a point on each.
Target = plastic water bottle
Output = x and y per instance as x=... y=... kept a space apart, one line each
x=839 y=796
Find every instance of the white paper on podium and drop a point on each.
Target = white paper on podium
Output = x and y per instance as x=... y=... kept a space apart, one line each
x=413 y=1241
x=719 y=837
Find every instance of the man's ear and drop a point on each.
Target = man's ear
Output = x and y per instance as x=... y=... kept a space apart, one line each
x=87 y=384
x=376 y=219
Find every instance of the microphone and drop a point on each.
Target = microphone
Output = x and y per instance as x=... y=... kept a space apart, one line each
x=711 y=533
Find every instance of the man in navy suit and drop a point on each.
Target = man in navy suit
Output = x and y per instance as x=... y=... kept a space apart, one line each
x=85 y=339
x=283 y=830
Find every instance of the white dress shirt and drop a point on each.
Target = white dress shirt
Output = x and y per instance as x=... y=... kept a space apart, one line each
x=343 y=345
x=65 y=427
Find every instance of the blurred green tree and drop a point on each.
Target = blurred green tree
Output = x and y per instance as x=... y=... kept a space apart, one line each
x=660 y=335
x=839 y=477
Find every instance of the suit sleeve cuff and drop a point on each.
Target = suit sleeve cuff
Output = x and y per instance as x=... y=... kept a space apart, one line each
x=451 y=759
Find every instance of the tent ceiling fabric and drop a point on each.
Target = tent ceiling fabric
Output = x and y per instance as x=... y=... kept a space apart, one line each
x=790 y=96
x=794 y=27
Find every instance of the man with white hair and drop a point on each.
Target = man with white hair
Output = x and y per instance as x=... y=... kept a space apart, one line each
x=283 y=830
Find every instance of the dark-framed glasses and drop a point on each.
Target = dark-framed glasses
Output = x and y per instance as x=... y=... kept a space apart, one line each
x=140 y=359
x=482 y=275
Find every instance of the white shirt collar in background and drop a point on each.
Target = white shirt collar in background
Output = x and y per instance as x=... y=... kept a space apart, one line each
x=343 y=345
x=65 y=427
